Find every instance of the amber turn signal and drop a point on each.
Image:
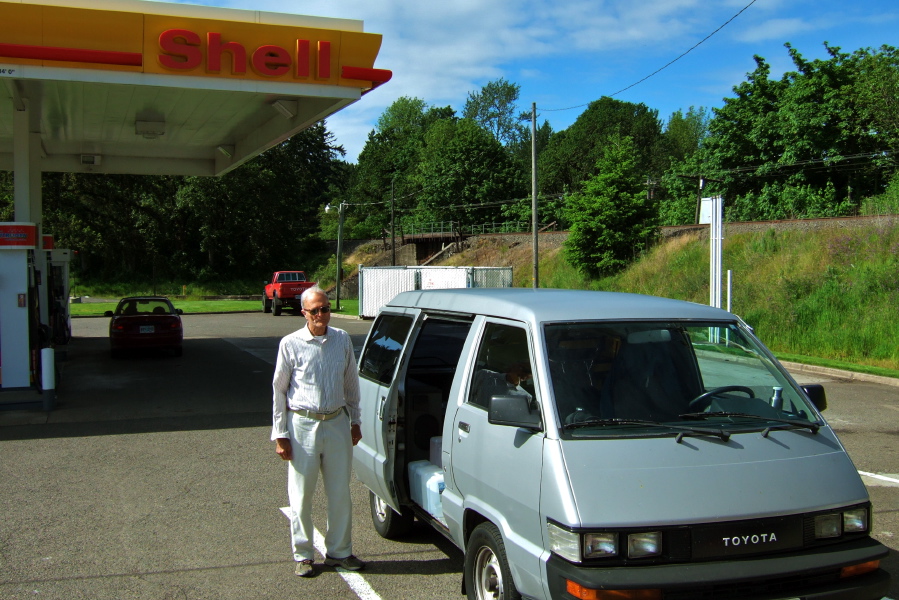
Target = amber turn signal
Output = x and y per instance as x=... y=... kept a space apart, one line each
x=856 y=570
x=583 y=593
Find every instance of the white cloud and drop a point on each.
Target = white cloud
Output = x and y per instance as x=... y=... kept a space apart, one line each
x=776 y=29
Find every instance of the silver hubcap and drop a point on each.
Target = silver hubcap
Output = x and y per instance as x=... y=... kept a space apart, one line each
x=488 y=576
x=381 y=509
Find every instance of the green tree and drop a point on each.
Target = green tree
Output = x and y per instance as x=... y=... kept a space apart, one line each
x=388 y=166
x=684 y=134
x=122 y=225
x=611 y=219
x=679 y=190
x=801 y=146
x=494 y=109
x=522 y=148
x=547 y=207
x=572 y=154
x=7 y=204
x=263 y=216
x=876 y=88
x=464 y=174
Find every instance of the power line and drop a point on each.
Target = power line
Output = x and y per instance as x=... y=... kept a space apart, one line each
x=841 y=163
x=660 y=69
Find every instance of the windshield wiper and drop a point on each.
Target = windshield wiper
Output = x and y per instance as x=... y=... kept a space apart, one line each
x=786 y=423
x=682 y=430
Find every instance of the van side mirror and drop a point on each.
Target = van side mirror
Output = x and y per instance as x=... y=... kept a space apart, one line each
x=514 y=411
x=108 y=313
x=816 y=393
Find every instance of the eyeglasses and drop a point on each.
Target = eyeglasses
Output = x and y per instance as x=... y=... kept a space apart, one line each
x=314 y=311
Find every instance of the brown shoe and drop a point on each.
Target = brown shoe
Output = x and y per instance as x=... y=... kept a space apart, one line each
x=304 y=568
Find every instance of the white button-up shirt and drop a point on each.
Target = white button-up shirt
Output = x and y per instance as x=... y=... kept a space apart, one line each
x=316 y=373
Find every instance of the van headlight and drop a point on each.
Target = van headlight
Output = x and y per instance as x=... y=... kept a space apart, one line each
x=600 y=545
x=640 y=545
x=575 y=546
x=833 y=525
x=828 y=526
x=855 y=521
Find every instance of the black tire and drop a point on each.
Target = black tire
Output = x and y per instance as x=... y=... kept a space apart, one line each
x=487 y=573
x=266 y=304
x=388 y=523
x=276 y=305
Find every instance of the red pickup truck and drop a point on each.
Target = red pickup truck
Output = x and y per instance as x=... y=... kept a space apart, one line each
x=284 y=289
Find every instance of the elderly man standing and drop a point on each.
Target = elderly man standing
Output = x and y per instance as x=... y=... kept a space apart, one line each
x=315 y=426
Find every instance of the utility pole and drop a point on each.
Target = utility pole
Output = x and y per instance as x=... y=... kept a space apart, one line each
x=701 y=181
x=534 y=222
x=392 y=226
x=340 y=209
x=650 y=188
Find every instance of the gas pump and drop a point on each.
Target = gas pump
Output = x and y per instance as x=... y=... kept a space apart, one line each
x=37 y=333
x=58 y=261
x=18 y=305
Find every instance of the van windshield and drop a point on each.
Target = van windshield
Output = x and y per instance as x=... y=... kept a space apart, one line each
x=627 y=378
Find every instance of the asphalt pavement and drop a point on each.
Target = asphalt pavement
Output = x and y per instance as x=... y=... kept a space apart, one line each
x=154 y=477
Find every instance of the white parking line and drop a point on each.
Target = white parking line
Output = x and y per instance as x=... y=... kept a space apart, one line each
x=356 y=582
x=890 y=481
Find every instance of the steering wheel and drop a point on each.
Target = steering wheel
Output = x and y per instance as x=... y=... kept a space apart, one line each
x=698 y=403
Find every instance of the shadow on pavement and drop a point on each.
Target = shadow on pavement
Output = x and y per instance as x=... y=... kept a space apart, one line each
x=131 y=426
x=214 y=385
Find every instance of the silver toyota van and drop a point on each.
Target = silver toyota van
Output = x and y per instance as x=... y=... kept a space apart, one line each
x=599 y=446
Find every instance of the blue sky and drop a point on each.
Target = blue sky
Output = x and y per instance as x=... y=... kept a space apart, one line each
x=566 y=53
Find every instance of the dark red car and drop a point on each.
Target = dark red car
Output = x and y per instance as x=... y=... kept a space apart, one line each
x=145 y=322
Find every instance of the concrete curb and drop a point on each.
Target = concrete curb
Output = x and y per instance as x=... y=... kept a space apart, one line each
x=839 y=374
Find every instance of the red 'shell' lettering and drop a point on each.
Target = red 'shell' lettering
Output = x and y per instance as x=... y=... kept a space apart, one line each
x=183 y=50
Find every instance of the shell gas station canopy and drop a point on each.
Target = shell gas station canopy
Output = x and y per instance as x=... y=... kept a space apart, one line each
x=131 y=86
x=144 y=88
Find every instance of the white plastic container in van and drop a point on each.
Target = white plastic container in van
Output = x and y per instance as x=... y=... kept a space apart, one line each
x=426 y=485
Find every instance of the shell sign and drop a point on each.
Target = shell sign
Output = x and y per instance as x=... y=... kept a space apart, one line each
x=160 y=44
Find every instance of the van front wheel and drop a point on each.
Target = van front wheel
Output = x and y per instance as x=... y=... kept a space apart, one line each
x=388 y=523
x=487 y=574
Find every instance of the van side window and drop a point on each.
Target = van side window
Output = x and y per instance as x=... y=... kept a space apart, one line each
x=385 y=344
x=503 y=366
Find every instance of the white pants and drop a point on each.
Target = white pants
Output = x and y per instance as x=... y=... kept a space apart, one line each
x=324 y=446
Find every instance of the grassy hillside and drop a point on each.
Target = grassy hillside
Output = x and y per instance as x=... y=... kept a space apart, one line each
x=828 y=294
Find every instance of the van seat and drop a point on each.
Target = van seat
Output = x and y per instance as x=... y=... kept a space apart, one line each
x=650 y=381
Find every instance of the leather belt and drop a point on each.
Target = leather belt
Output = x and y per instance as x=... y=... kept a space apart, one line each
x=318 y=416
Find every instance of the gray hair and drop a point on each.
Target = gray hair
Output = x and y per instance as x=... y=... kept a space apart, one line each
x=309 y=292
